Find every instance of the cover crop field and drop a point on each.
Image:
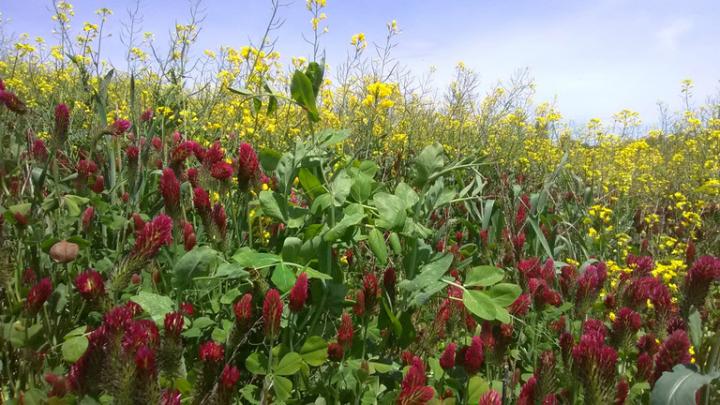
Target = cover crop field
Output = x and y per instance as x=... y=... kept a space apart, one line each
x=217 y=227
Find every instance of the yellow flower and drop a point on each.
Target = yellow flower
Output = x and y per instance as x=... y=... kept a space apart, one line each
x=358 y=41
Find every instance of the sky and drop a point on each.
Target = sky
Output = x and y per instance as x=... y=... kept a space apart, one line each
x=589 y=58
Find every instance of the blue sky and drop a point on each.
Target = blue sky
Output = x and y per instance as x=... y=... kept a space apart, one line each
x=593 y=58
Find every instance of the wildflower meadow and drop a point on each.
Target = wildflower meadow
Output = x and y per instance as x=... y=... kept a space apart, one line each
x=218 y=226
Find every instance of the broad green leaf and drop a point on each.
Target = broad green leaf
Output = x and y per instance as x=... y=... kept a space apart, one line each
x=321 y=203
x=445 y=197
x=230 y=296
x=339 y=229
x=504 y=294
x=247 y=257
x=283 y=387
x=502 y=315
x=74 y=348
x=429 y=161
x=429 y=274
x=314 y=351
x=391 y=211
x=195 y=263
x=382 y=368
x=269 y=159
x=678 y=387
x=283 y=277
x=315 y=72
x=310 y=183
x=378 y=247
x=231 y=271
x=483 y=276
x=341 y=188
x=407 y=195
x=329 y=137
x=79 y=331
x=256 y=363
x=476 y=387
x=312 y=273
x=155 y=305
x=362 y=185
x=301 y=90
x=273 y=205
x=479 y=304
x=289 y=364
x=291 y=248
x=420 y=298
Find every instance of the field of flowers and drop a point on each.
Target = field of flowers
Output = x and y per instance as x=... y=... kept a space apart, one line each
x=217 y=228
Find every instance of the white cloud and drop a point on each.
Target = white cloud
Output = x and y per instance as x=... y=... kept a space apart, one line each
x=669 y=36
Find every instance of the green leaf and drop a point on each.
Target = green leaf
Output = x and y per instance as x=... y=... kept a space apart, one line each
x=291 y=248
x=73 y=203
x=479 y=304
x=283 y=277
x=230 y=296
x=339 y=229
x=282 y=387
x=429 y=161
x=483 y=276
x=315 y=73
x=301 y=90
x=74 y=348
x=637 y=391
x=247 y=257
x=256 y=363
x=381 y=368
x=329 y=137
x=429 y=274
x=79 y=331
x=391 y=211
x=273 y=205
x=395 y=243
x=341 y=188
x=502 y=315
x=407 y=195
x=155 y=305
x=314 y=351
x=289 y=364
x=269 y=159
x=678 y=387
x=378 y=247
x=504 y=294
x=420 y=298
x=241 y=91
x=445 y=197
x=695 y=326
x=310 y=183
x=476 y=387
x=194 y=263
x=312 y=273
x=231 y=271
